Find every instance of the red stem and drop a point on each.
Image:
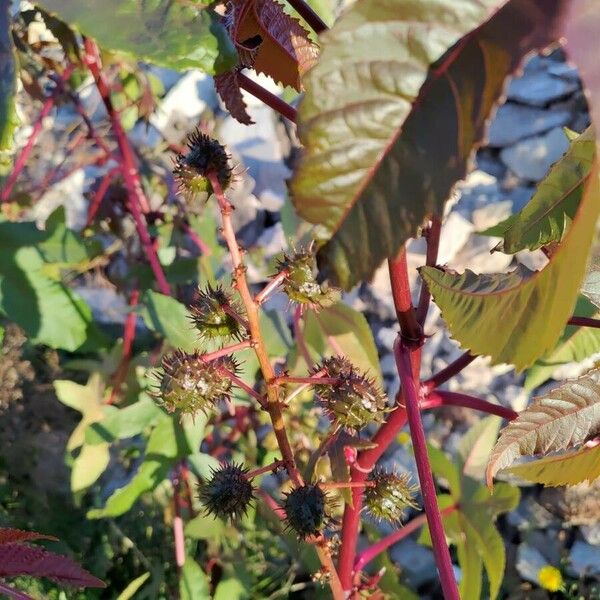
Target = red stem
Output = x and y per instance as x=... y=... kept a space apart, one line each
x=299 y=337
x=270 y=468
x=21 y=159
x=276 y=103
x=204 y=249
x=137 y=200
x=225 y=351
x=99 y=195
x=444 y=398
x=309 y=15
x=448 y=372
x=584 y=322
x=310 y=380
x=434 y=518
x=367 y=555
x=270 y=287
x=432 y=236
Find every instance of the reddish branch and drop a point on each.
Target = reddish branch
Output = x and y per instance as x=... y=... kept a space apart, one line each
x=138 y=203
x=584 y=322
x=99 y=195
x=428 y=492
x=21 y=159
x=444 y=398
x=270 y=99
x=432 y=235
x=454 y=368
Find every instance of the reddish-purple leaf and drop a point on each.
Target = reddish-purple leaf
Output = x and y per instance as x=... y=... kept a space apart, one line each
x=21 y=559
x=228 y=88
x=9 y=536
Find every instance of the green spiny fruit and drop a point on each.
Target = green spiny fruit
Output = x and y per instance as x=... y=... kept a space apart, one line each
x=228 y=493
x=391 y=495
x=189 y=385
x=355 y=400
x=306 y=510
x=300 y=283
x=209 y=315
x=205 y=156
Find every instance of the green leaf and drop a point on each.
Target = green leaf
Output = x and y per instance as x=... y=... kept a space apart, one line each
x=166 y=444
x=277 y=333
x=549 y=213
x=518 y=317
x=46 y=309
x=129 y=592
x=178 y=35
x=565 y=417
x=169 y=318
x=202 y=464
x=88 y=466
x=374 y=166
x=193 y=584
x=340 y=329
x=8 y=80
x=475 y=446
x=230 y=588
x=471 y=568
x=568 y=468
x=575 y=345
x=443 y=467
x=124 y=423
x=204 y=527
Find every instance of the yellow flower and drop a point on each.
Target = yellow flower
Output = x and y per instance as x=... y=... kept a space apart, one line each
x=550 y=578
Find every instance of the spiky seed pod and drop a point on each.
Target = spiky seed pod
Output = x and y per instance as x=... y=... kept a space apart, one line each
x=189 y=385
x=228 y=493
x=391 y=495
x=306 y=510
x=300 y=283
x=205 y=156
x=209 y=316
x=356 y=400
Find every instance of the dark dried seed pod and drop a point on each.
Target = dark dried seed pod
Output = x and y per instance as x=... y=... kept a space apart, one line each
x=300 y=283
x=391 y=495
x=209 y=315
x=306 y=510
x=205 y=155
x=228 y=493
x=355 y=400
x=189 y=385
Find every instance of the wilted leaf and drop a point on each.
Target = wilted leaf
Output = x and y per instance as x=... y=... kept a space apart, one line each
x=271 y=41
x=229 y=90
x=549 y=213
x=21 y=559
x=518 y=317
x=569 y=468
x=178 y=35
x=374 y=166
x=575 y=345
x=565 y=417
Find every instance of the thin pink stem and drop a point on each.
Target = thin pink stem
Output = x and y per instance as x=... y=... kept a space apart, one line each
x=21 y=159
x=99 y=195
x=434 y=518
x=584 y=322
x=270 y=287
x=243 y=386
x=137 y=199
x=444 y=398
x=276 y=103
x=309 y=380
x=367 y=555
x=271 y=468
x=454 y=368
x=226 y=351
x=204 y=249
x=338 y=485
x=432 y=236
x=299 y=336
x=309 y=15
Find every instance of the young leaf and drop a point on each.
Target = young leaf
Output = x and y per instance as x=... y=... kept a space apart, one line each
x=172 y=34
x=374 y=166
x=575 y=345
x=547 y=216
x=21 y=559
x=567 y=416
x=229 y=90
x=568 y=468
x=271 y=41
x=518 y=317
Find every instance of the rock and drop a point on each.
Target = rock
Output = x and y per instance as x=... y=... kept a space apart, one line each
x=478 y=189
x=492 y=214
x=520 y=196
x=183 y=104
x=417 y=562
x=272 y=241
x=456 y=230
x=540 y=89
x=386 y=337
x=514 y=122
x=488 y=161
x=477 y=256
x=532 y=158
x=591 y=533
x=107 y=306
x=564 y=70
x=584 y=559
x=529 y=562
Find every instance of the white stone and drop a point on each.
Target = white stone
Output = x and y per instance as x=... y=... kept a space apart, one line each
x=514 y=122
x=540 y=89
x=492 y=214
x=585 y=559
x=456 y=230
x=532 y=158
x=477 y=256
